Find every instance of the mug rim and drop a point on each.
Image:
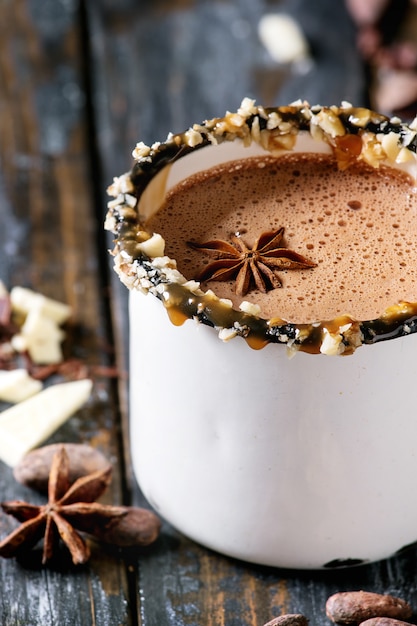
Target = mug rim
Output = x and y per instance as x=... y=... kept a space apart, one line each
x=351 y=133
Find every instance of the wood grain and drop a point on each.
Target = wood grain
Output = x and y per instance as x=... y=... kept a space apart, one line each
x=80 y=84
x=159 y=68
x=48 y=242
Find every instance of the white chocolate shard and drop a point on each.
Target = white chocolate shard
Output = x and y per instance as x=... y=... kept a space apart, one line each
x=283 y=38
x=41 y=337
x=38 y=324
x=44 y=351
x=17 y=385
x=19 y=343
x=25 y=300
x=27 y=424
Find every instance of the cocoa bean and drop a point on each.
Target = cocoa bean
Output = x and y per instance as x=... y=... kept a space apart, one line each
x=33 y=470
x=351 y=607
x=126 y=526
x=384 y=621
x=289 y=619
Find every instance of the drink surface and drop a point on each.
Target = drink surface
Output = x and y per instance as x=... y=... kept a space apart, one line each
x=359 y=226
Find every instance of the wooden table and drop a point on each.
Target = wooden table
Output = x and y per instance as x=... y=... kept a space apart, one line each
x=80 y=84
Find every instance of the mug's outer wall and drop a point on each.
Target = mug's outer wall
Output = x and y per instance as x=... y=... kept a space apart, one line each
x=284 y=462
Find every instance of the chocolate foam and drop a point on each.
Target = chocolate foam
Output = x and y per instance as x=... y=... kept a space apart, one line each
x=358 y=225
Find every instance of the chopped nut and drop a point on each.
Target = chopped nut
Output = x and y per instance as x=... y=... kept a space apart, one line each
x=225 y=334
x=391 y=145
x=332 y=343
x=193 y=137
x=360 y=116
x=330 y=123
x=247 y=107
x=153 y=247
x=250 y=307
x=404 y=156
x=141 y=151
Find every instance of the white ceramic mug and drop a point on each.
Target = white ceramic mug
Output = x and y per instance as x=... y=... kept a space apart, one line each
x=306 y=462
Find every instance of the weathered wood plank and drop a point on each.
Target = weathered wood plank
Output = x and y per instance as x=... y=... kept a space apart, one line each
x=160 y=66
x=48 y=242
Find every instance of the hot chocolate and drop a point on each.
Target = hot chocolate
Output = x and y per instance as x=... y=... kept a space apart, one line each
x=295 y=446
x=358 y=226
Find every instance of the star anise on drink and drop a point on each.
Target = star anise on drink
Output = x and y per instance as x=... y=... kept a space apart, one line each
x=72 y=508
x=254 y=267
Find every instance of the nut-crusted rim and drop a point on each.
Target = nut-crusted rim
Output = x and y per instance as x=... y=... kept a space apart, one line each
x=352 y=133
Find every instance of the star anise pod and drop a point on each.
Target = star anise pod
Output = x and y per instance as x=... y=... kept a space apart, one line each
x=256 y=266
x=74 y=507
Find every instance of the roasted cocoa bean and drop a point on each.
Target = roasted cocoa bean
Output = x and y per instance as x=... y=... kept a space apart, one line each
x=384 y=621
x=33 y=470
x=289 y=619
x=128 y=527
x=351 y=607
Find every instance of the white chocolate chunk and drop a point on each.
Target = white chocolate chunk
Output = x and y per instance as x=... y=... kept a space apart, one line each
x=38 y=324
x=27 y=424
x=44 y=351
x=283 y=38
x=16 y=385
x=19 y=343
x=250 y=307
x=41 y=337
x=25 y=300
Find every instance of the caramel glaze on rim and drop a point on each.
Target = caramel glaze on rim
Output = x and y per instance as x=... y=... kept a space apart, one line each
x=352 y=133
